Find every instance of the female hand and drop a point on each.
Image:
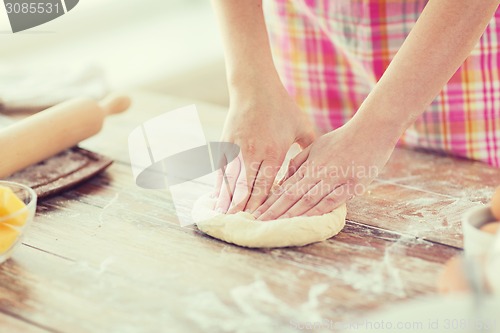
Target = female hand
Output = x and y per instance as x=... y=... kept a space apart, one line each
x=336 y=167
x=264 y=122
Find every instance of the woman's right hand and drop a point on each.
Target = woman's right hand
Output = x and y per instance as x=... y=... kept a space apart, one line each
x=264 y=121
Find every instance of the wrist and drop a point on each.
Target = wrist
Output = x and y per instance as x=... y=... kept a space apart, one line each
x=252 y=86
x=383 y=118
x=377 y=126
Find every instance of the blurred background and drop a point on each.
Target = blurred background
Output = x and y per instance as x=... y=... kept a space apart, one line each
x=167 y=46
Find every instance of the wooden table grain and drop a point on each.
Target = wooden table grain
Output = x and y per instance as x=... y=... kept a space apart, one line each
x=109 y=256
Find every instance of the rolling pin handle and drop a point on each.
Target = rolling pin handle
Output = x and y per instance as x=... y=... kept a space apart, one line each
x=113 y=104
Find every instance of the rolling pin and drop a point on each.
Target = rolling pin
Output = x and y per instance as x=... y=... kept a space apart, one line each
x=54 y=130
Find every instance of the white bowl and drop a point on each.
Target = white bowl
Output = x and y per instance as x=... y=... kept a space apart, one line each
x=481 y=245
x=477 y=242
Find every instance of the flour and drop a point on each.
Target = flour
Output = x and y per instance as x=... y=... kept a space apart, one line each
x=257 y=309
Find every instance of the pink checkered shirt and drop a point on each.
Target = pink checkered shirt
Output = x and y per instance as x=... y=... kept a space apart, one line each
x=330 y=54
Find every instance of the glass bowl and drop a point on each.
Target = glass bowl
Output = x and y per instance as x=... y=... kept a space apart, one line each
x=15 y=231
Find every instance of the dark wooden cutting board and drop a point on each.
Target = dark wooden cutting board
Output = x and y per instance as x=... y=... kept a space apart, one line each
x=59 y=172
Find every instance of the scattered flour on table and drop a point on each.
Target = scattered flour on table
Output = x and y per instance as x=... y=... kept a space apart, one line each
x=107 y=206
x=257 y=309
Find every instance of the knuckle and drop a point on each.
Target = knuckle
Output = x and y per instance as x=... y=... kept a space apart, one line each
x=308 y=199
x=330 y=200
x=301 y=172
x=289 y=195
x=250 y=149
x=276 y=190
x=351 y=181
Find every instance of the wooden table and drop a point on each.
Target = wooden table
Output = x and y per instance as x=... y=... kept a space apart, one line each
x=109 y=256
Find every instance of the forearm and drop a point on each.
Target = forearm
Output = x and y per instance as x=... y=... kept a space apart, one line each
x=441 y=40
x=246 y=44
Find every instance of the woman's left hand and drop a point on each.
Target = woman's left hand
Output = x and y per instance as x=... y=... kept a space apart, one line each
x=333 y=169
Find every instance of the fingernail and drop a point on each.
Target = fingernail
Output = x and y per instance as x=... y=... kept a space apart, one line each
x=219 y=210
x=257 y=213
x=284 y=216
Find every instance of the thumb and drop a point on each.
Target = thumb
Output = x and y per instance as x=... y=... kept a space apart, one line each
x=306 y=137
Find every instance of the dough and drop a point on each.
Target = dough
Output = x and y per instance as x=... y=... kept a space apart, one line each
x=242 y=228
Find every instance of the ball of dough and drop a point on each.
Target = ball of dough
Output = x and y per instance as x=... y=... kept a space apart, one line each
x=244 y=230
x=495 y=204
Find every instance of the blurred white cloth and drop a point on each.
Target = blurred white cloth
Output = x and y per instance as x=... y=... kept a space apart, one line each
x=493 y=265
x=28 y=90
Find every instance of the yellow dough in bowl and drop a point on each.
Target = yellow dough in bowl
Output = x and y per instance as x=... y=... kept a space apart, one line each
x=8 y=237
x=11 y=205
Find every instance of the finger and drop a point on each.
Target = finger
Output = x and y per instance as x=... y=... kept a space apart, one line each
x=241 y=191
x=274 y=194
x=287 y=199
x=263 y=184
x=230 y=176
x=309 y=200
x=339 y=196
x=220 y=177
x=278 y=190
x=306 y=138
x=217 y=189
x=295 y=163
